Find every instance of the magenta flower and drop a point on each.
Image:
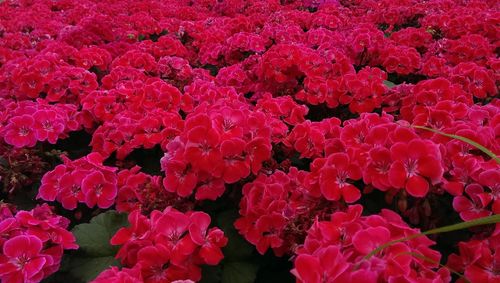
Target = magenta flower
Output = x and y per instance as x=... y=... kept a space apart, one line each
x=21 y=260
x=19 y=132
x=98 y=190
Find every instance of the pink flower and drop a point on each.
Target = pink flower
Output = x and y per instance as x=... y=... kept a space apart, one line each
x=202 y=147
x=179 y=178
x=334 y=178
x=326 y=265
x=50 y=186
x=138 y=229
x=71 y=189
x=235 y=164
x=475 y=206
x=19 y=132
x=367 y=240
x=47 y=125
x=98 y=190
x=21 y=260
x=210 y=241
x=414 y=165
x=114 y=275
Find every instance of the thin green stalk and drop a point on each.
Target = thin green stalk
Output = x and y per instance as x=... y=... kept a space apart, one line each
x=464 y=139
x=459 y=226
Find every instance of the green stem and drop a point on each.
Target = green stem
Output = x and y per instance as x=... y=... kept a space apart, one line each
x=464 y=139
x=459 y=226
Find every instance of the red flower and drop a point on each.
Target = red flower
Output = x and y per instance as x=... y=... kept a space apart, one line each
x=475 y=206
x=334 y=178
x=258 y=150
x=21 y=260
x=266 y=232
x=327 y=265
x=491 y=179
x=478 y=260
x=98 y=190
x=377 y=171
x=202 y=148
x=229 y=122
x=47 y=125
x=152 y=260
x=367 y=240
x=138 y=229
x=114 y=275
x=170 y=230
x=31 y=83
x=50 y=186
x=71 y=192
x=235 y=164
x=210 y=241
x=19 y=132
x=209 y=187
x=415 y=163
x=179 y=178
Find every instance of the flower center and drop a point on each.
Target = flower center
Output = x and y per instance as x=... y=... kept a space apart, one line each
x=341 y=178
x=411 y=167
x=22 y=261
x=24 y=131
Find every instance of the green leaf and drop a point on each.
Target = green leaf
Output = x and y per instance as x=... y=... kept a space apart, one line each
x=95 y=253
x=464 y=139
x=86 y=269
x=389 y=84
x=93 y=238
x=459 y=226
x=240 y=272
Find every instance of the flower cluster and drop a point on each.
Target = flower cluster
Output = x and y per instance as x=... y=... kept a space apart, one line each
x=477 y=260
x=85 y=180
x=222 y=142
x=138 y=190
x=32 y=243
x=165 y=247
x=277 y=210
x=336 y=251
x=27 y=122
x=308 y=105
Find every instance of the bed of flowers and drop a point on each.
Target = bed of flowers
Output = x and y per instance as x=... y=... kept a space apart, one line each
x=249 y=141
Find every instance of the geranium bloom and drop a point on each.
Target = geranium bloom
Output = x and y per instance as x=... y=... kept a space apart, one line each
x=21 y=260
x=125 y=275
x=210 y=241
x=415 y=164
x=334 y=177
x=235 y=164
x=475 y=206
x=71 y=189
x=202 y=148
x=377 y=171
x=276 y=114
x=330 y=261
x=47 y=125
x=477 y=260
x=19 y=132
x=336 y=250
x=98 y=190
x=50 y=183
x=169 y=245
x=179 y=178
